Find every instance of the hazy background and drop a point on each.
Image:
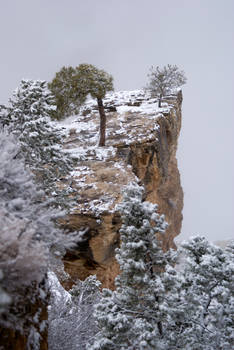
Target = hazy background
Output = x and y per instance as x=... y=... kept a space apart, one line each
x=125 y=38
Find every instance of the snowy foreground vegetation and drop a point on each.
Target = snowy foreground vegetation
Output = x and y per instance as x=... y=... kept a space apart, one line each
x=160 y=302
x=175 y=300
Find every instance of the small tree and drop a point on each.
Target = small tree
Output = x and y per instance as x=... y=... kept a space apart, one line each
x=97 y=83
x=163 y=80
x=71 y=86
x=67 y=92
x=134 y=316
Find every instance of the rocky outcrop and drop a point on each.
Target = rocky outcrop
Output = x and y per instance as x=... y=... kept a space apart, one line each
x=141 y=146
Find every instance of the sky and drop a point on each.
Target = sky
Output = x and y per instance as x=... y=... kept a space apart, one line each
x=125 y=38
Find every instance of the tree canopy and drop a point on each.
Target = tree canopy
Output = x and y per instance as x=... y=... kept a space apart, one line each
x=71 y=86
x=69 y=96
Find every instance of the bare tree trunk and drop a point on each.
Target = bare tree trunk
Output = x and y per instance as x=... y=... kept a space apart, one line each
x=160 y=101
x=102 y=114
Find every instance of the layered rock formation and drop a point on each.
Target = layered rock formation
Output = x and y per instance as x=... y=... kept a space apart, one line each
x=141 y=146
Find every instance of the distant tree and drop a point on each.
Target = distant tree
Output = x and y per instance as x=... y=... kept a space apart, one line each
x=67 y=92
x=163 y=80
x=97 y=83
x=40 y=140
x=134 y=317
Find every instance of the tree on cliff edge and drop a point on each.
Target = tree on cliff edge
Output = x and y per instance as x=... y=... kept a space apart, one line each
x=163 y=80
x=71 y=86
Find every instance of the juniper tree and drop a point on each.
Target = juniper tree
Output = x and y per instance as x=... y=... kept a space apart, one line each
x=163 y=80
x=134 y=316
x=68 y=94
x=41 y=142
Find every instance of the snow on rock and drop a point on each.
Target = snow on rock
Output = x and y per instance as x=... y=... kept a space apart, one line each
x=132 y=118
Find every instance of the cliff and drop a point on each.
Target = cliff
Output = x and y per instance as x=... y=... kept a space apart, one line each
x=141 y=146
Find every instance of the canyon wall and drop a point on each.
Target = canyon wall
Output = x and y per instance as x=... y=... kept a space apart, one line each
x=141 y=146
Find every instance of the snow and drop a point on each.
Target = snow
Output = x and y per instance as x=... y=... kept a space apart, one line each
x=56 y=289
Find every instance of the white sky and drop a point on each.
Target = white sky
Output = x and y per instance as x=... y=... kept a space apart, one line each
x=125 y=38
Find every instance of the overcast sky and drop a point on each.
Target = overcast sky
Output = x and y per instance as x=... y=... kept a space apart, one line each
x=125 y=38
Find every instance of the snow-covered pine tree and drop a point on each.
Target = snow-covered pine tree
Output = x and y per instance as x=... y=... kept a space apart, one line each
x=207 y=297
x=41 y=142
x=134 y=316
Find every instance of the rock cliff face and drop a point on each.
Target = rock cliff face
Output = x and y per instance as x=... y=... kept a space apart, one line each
x=141 y=146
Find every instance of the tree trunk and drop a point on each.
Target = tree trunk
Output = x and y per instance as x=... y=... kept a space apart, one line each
x=160 y=101
x=102 y=114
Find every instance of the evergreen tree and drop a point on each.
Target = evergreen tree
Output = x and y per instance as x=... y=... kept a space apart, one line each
x=163 y=80
x=206 y=297
x=41 y=142
x=67 y=92
x=135 y=315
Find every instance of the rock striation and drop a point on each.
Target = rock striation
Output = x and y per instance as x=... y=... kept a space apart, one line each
x=141 y=146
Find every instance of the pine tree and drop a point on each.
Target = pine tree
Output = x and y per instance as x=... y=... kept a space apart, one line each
x=135 y=315
x=163 y=80
x=41 y=142
x=206 y=297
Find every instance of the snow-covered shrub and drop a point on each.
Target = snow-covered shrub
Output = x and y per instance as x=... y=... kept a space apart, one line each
x=71 y=321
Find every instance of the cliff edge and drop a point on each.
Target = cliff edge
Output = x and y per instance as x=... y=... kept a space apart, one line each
x=141 y=146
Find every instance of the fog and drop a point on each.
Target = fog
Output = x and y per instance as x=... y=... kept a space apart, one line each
x=125 y=38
